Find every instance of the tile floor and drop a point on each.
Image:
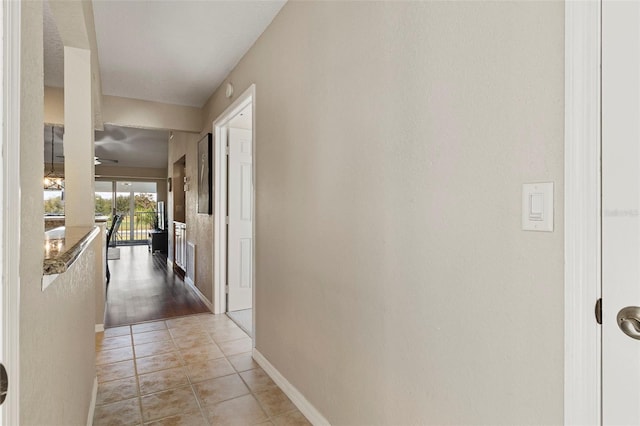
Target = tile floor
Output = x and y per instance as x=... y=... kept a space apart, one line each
x=192 y=370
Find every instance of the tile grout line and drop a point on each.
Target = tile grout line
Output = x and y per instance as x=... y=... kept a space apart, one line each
x=200 y=403
x=135 y=370
x=185 y=366
x=193 y=390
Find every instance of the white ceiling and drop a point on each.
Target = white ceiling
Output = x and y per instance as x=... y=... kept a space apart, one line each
x=173 y=51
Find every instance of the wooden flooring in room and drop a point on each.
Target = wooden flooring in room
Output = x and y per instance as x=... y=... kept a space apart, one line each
x=142 y=288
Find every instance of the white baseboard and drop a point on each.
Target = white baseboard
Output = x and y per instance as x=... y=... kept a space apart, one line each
x=99 y=328
x=92 y=406
x=169 y=263
x=298 y=399
x=202 y=297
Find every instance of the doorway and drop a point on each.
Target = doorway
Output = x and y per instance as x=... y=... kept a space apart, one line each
x=234 y=230
x=136 y=201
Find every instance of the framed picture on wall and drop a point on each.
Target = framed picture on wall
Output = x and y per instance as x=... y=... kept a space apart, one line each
x=204 y=174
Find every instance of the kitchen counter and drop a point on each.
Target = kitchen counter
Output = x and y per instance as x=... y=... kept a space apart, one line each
x=63 y=245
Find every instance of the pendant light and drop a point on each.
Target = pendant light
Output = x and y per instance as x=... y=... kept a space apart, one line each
x=52 y=180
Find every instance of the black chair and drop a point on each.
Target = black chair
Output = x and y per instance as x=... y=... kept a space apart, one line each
x=115 y=224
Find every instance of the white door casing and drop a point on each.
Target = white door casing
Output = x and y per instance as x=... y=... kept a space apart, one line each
x=220 y=130
x=10 y=15
x=240 y=199
x=2 y=168
x=582 y=337
x=620 y=208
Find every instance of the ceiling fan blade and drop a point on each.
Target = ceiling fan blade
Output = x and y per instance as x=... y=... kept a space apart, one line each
x=111 y=132
x=99 y=159
x=107 y=160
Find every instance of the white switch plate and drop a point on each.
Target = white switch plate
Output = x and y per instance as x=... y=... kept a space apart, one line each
x=537 y=207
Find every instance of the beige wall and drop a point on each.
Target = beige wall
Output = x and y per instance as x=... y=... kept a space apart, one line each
x=393 y=282
x=177 y=148
x=129 y=112
x=199 y=226
x=100 y=273
x=57 y=355
x=130 y=172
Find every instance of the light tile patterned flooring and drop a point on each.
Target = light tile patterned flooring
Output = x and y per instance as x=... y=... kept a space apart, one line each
x=193 y=370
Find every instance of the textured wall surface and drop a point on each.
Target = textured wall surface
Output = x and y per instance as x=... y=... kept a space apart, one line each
x=394 y=284
x=199 y=226
x=100 y=272
x=129 y=112
x=57 y=353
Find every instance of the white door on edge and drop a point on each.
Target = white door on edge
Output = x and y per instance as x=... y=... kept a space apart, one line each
x=620 y=212
x=239 y=237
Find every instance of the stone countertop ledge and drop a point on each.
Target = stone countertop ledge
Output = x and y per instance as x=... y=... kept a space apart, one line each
x=63 y=245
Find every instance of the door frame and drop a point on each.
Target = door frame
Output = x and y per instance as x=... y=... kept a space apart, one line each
x=220 y=200
x=10 y=206
x=582 y=218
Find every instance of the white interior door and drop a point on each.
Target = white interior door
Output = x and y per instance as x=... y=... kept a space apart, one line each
x=620 y=210
x=240 y=239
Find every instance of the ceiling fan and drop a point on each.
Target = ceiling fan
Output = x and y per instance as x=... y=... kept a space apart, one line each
x=113 y=133
x=110 y=133
x=97 y=160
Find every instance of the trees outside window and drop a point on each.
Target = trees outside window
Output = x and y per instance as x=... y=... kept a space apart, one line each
x=53 y=204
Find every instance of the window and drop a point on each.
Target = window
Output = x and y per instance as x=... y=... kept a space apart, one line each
x=53 y=202
x=104 y=198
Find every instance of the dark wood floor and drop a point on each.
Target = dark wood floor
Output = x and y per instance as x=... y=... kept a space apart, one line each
x=143 y=289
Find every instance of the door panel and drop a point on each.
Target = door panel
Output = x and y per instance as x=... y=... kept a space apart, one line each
x=240 y=199
x=620 y=208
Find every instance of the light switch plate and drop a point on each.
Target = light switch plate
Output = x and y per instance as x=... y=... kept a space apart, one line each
x=537 y=206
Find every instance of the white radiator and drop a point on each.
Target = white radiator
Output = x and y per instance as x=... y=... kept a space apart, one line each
x=191 y=263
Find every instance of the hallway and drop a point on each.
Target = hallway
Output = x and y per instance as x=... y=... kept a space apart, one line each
x=164 y=359
x=142 y=289
x=192 y=370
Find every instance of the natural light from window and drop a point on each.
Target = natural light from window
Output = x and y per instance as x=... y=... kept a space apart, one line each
x=53 y=202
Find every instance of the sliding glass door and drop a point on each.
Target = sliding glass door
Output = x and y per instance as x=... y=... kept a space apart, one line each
x=135 y=201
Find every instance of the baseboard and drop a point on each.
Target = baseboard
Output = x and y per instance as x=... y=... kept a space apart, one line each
x=169 y=263
x=92 y=406
x=298 y=399
x=99 y=328
x=202 y=297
